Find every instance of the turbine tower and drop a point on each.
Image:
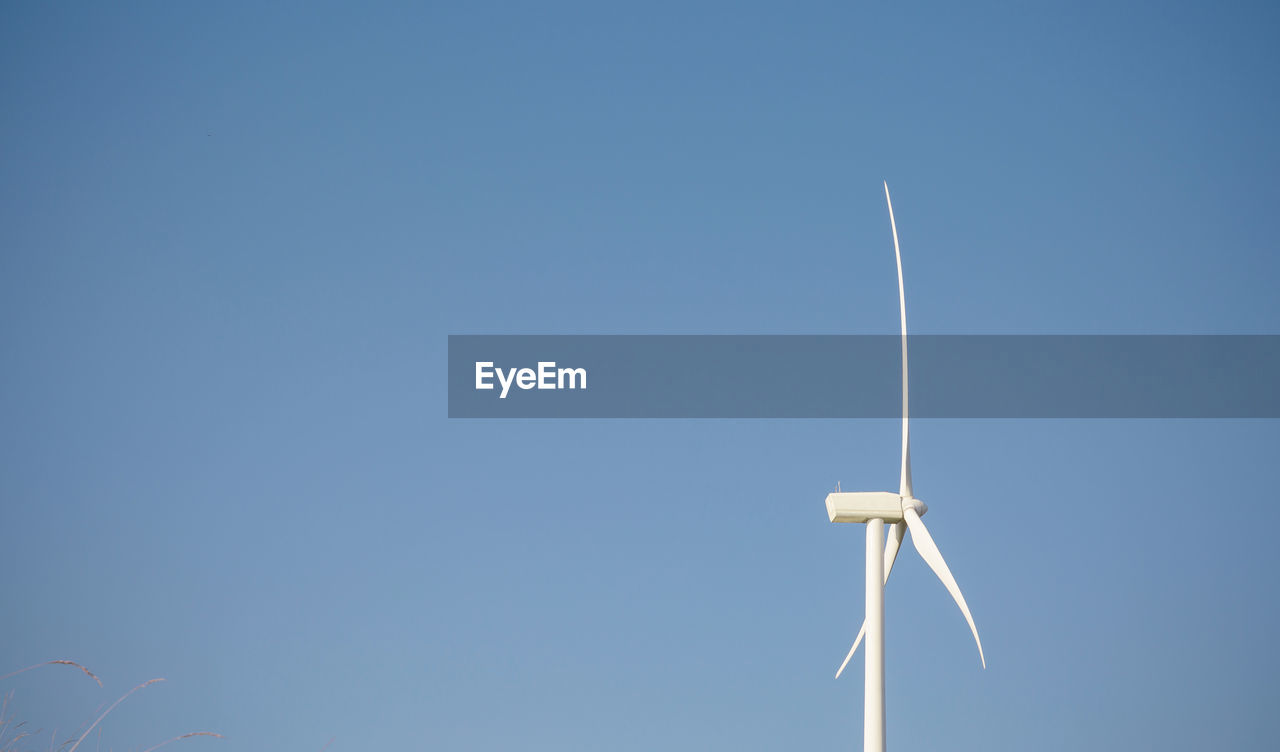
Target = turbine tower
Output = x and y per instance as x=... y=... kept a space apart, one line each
x=903 y=510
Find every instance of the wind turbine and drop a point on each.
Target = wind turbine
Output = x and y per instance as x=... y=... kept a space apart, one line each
x=903 y=510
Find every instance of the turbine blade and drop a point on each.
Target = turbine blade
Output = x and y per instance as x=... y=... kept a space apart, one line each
x=891 y=547
x=861 y=633
x=933 y=557
x=904 y=487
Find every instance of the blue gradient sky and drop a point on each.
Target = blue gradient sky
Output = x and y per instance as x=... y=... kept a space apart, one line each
x=235 y=239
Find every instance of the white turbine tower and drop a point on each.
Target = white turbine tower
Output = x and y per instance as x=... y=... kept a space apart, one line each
x=904 y=510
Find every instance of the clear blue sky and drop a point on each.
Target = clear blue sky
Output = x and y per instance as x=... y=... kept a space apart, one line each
x=233 y=240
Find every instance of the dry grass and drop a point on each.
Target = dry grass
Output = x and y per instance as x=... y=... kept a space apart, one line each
x=57 y=662
x=184 y=736
x=12 y=733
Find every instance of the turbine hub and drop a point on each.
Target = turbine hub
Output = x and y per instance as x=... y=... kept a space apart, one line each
x=914 y=503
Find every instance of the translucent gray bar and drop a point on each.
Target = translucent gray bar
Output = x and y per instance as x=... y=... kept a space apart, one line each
x=858 y=376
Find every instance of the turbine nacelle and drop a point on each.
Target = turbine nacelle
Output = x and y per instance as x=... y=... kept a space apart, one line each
x=863 y=506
